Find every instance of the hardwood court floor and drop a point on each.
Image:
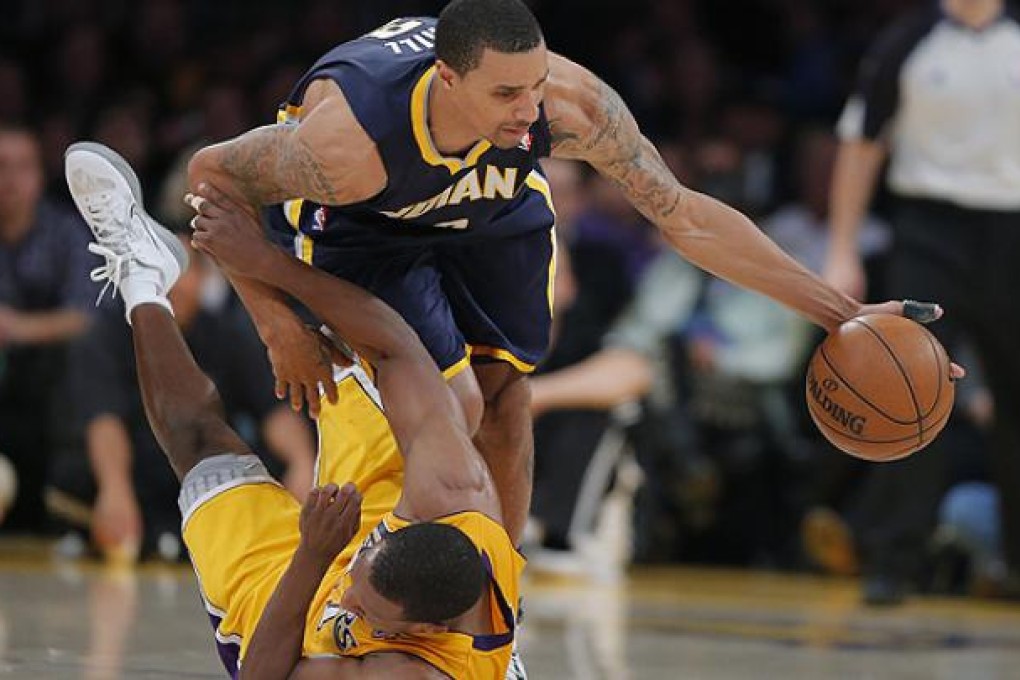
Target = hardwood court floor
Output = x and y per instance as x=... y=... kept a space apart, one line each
x=74 y=620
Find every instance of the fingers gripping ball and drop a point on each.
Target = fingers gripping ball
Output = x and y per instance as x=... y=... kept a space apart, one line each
x=879 y=387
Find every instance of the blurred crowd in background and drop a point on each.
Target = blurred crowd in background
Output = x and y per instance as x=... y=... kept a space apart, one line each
x=685 y=391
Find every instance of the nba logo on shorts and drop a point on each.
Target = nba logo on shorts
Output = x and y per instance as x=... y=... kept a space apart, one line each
x=319 y=219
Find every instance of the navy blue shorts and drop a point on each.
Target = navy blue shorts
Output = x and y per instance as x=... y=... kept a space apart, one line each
x=481 y=298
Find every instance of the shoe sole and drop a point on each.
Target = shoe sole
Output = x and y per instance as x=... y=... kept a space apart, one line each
x=124 y=168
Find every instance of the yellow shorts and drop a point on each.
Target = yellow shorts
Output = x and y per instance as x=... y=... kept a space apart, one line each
x=242 y=528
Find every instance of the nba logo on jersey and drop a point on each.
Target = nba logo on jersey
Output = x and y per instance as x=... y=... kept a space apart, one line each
x=319 y=219
x=525 y=142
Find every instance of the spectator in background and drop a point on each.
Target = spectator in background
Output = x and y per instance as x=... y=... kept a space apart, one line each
x=134 y=506
x=607 y=246
x=967 y=543
x=45 y=300
x=940 y=95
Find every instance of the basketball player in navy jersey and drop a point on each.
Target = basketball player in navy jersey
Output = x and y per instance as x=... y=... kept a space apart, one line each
x=406 y=161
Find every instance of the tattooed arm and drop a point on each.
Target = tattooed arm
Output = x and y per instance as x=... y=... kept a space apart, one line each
x=327 y=158
x=590 y=122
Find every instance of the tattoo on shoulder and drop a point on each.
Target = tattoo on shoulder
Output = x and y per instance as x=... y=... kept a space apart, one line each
x=272 y=166
x=618 y=150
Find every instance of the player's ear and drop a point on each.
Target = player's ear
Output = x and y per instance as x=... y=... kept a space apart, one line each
x=447 y=76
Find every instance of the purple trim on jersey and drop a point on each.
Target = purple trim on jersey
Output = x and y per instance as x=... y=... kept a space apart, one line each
x=487 y=643
x=229 y=652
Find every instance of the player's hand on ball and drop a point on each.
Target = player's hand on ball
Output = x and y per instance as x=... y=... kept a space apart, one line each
x=228 y=232
x=330 y=518
x=921 y=312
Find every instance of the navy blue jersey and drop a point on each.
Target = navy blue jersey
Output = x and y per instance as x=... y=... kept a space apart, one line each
x=461 y=248
x=385 y=76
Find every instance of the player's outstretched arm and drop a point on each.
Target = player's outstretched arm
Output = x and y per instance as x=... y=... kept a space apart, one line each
x=330 y=518
x=443 y=472
x=590 y=122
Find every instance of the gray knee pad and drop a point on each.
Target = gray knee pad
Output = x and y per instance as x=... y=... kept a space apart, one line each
x=215 y=475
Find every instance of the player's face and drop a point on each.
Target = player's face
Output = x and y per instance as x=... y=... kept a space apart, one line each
x=500 y=97
x=383 y=615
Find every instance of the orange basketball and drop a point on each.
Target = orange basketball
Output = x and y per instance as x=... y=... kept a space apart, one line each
x=879 y=387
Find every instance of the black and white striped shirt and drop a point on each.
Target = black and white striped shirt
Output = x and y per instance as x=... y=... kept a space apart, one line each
x=946 y=100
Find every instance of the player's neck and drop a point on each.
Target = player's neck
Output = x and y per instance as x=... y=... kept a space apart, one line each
x=477 y=620
x=447 y=126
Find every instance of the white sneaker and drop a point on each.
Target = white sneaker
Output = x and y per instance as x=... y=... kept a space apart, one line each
x=143 y=258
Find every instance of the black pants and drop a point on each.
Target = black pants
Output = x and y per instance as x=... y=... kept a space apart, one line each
x=969 y=262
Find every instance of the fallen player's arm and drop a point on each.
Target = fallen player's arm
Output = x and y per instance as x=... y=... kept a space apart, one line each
x=590 y=122
x=275 y=648
x=443 y=472
x=330 y=518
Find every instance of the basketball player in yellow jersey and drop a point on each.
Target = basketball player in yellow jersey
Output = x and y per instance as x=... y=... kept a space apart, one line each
x=414 y=150
x=432 y=589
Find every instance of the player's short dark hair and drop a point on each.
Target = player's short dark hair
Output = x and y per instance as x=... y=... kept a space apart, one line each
x=432 y=570
x=467 y=27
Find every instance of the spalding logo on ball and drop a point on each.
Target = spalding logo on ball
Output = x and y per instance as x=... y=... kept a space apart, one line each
x=879 y=387
x=824 y=394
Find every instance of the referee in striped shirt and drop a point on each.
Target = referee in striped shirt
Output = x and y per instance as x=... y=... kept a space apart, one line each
x=939 y=95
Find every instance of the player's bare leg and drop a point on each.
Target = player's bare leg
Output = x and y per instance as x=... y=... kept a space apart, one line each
x=182 y=404
x=506 y=441
x=142 y=262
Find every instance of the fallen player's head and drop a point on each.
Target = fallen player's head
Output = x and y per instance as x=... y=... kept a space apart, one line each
x=416 y=579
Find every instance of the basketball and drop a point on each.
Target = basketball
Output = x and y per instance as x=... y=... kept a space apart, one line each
x=879 y=387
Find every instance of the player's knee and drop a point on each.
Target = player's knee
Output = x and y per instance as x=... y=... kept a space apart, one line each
x=506 y=394
x=194 y=430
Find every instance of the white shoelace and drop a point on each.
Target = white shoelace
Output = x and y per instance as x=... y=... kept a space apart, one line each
x=114 y=243
x=110 y=271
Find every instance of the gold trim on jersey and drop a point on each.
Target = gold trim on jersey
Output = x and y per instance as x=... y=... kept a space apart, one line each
x=535 y=181
x=550 y=291
x=302 y=244
x=420 y=127
x=303 y=247
x=503 y=355
x=539 y=184
x=292 y=210
x=457 y=368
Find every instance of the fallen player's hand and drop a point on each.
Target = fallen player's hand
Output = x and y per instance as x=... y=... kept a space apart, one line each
x=228 y=232
x=302 y=360
x=330 y=518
